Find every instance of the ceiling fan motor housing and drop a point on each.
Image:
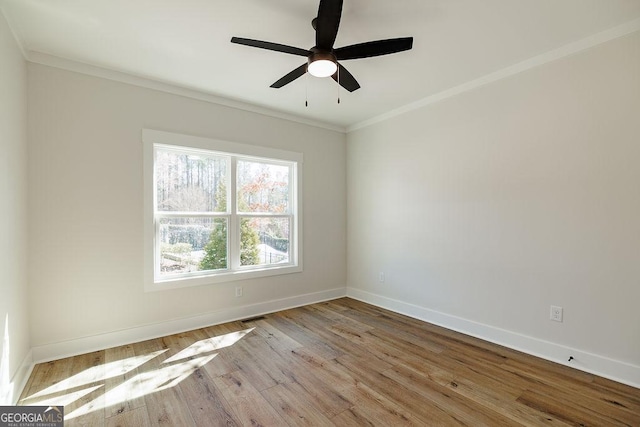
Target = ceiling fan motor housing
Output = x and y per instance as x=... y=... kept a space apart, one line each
x=321 y=55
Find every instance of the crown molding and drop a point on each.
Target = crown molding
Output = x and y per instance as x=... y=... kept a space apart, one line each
x=152 y=83
x=167 y=87
x=14 y=30
x=536 y=61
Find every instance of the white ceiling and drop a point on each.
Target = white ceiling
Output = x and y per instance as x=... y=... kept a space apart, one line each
x=186 y=43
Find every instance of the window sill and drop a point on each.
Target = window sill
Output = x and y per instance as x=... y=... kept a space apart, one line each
x=186 y=282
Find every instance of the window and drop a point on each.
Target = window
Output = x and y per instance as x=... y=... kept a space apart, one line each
x=218 y=211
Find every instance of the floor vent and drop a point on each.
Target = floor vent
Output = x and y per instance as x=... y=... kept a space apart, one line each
x=252 y=319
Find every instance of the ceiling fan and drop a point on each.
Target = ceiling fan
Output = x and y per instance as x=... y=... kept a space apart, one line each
x=322 y=59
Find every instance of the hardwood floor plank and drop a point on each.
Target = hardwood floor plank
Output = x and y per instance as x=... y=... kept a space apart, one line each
x=386 y=326
x=166 y=406
x=203 y=400
x=351 y=417
x=324 y=394
x=206 y=403
x=250 y=407
x=333 y=318
x=408 y=400
x=623 y=391
x=89 y=371
x=501 y=403
x=221 y=364
x=34 y=378
x=46 y=375
x=595 y=396
x=328 y=371
x=341 y=363
x=371 y=408
x=396 y=353
x=469 y=411
x=317 y=331
x=137 y=417
x=261 y=368
x=569 y=413
x=120 y=360
x=276 y=339
x=296 y=408
x=298 y=332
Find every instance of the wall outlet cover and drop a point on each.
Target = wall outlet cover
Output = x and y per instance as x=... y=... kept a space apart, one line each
x=556 y=313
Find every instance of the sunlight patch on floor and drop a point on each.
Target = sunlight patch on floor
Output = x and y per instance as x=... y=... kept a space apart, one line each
x=208 y=345
x=125 y=386
x=98 y=373
x=143 y=384
x=61 y=399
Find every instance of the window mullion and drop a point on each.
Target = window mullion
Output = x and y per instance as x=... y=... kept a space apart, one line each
x=293 y=208
x=174 y=214
x=234 y=226
x=263 y=215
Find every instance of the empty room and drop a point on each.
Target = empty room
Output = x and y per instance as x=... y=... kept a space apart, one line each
x=323 y=212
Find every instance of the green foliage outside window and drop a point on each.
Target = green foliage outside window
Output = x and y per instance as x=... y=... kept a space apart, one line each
x=215 y=252
x=215 y=256
x=249 y=241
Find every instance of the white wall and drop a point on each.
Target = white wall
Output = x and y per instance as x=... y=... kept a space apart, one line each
x=86 y=241
x=482 y=210
x=14 y=328
x=486 y=208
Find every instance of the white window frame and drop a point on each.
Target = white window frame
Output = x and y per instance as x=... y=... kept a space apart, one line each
x=235 y=151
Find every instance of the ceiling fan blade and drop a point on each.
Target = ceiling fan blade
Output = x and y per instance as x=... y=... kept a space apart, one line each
x=291 y=76
x=327 y=23
x=270 y=46
x=345 y=79
x=374 y=48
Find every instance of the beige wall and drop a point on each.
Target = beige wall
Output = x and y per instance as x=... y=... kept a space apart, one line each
x=14 y=328
x=486 y=208
x=86 y=245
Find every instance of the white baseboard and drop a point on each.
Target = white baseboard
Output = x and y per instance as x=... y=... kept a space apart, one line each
x=595 y=364
x=84 y=345
x=19 y=380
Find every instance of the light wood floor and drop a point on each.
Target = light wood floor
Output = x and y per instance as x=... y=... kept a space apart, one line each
x=337 y=363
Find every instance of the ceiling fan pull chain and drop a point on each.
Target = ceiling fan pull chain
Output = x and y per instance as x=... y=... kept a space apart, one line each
x=338 y=85
x=306 y=89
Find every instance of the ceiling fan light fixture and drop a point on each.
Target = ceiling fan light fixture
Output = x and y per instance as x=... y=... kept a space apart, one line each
x=322 y=59
x=322 y=64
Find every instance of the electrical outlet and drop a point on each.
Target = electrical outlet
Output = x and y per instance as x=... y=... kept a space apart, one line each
x=381 y=277
x=556 y=313
x=238 y=291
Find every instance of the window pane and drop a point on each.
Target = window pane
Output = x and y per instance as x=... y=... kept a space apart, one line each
x=190 y=182
x=262 y=187
x=264 y=241
x=192 y=244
